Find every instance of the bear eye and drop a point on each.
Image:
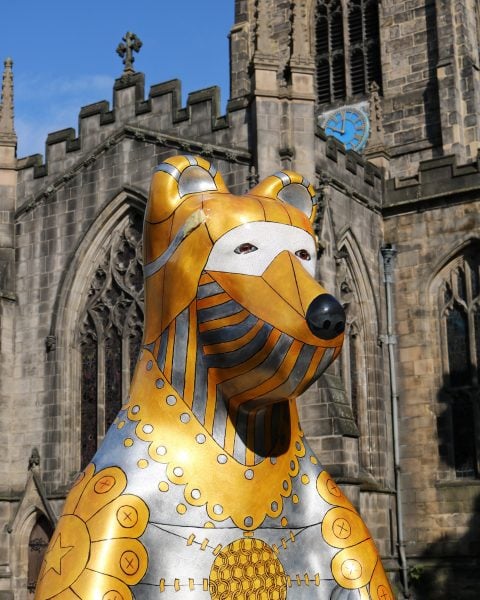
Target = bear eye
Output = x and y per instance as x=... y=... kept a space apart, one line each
x=245 y=248
x=303 y=254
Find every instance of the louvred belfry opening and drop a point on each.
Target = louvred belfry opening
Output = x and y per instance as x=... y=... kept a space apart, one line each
x=347 y=49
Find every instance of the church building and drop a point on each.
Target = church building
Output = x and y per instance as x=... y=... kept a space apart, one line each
x=377 y=104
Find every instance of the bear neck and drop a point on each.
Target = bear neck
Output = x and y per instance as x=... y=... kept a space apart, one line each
x=249 y=433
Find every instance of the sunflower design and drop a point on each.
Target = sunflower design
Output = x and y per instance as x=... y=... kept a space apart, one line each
x=94 y=553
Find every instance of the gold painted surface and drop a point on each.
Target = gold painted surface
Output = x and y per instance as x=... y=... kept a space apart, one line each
x=67 y=553
x=282 y=269
x=353 y=567
x=200 y=469
x=379 y=585
x=174 y=286
x=182 y=273
x=92 y=585
x=241 y=209
x=157 y=236
x=343 y=528
x=247 y=569
x=123 y=558
x=223 y=347
x=269 y=304
x=169 y=291
x=357 y=565
x=266 y=389
x=330 y=492
x=93 y=547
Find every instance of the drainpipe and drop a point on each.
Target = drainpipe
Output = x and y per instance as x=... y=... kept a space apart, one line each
x=389 y=253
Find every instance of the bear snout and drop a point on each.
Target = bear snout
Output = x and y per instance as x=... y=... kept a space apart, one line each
x=326 y=317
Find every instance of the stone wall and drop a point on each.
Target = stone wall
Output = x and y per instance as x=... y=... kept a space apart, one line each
x=430 y=221
x=431 y=83
x=409 y=60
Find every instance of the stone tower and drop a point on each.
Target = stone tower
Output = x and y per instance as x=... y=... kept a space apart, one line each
x=430 y=69
x=8 y=194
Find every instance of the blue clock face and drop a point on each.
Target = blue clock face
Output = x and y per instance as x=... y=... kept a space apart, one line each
x=350 y=126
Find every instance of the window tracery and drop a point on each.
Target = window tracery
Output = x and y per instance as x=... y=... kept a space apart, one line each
x=110 y=332
x=347 y=48
x=460 y=320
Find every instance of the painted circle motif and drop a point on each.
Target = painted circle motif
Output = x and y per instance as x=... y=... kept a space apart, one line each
x=341 y=529
x=247 y=568
x=127 y=516
x=333 y=488
x=129 y=562
x=351 y=569
x=383 y=593
x=104 y=484
x=112 y=595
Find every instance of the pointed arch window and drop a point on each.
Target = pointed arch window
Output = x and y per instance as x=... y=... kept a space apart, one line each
x=40 y=535
x=110 y=332
x=354 y=364
x=460 y=320
x=354 y=368
x=347 y=48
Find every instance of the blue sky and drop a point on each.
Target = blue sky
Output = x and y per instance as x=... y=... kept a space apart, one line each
x=64 y=54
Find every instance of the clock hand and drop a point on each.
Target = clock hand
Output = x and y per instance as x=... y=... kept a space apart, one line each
x=336 y=130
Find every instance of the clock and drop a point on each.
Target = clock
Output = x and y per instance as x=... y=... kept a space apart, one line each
x=350 y=125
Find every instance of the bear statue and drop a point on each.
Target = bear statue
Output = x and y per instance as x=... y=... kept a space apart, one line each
x=205 y=486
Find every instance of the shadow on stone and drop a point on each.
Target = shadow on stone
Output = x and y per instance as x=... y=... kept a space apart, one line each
x=450 y=567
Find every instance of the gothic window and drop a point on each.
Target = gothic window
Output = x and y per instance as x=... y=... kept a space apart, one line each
x=110 y=333
x=354 y=387
x=347 y=48
x=460 y=315
x=353 y=354
x=37 y=546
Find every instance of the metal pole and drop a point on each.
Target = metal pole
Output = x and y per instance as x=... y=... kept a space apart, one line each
x=389 y=253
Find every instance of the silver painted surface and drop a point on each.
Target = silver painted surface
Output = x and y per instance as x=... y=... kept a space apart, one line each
x=285 y=179
x=152 y=267
x=170 y=169
x=180 y=350
x=297 y=195
x=195 y=179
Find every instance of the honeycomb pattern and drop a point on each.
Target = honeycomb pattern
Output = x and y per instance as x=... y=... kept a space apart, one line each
x=247 y=569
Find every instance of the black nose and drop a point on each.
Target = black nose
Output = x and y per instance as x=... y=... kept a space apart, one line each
x=326 y=317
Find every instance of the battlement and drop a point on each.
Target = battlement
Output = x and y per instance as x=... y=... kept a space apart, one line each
x=438 y=182
x=348 y=171
x=161 y=111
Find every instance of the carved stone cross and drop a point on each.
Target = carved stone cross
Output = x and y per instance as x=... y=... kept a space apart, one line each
x=125 y=50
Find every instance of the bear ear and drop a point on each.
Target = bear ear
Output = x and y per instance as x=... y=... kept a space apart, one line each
x=176 y=178
x=290 y=187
